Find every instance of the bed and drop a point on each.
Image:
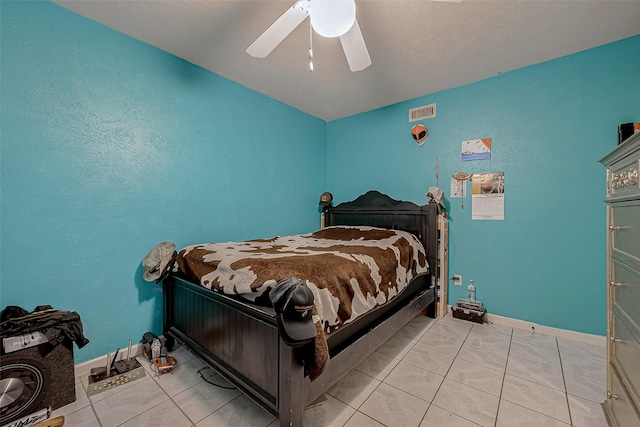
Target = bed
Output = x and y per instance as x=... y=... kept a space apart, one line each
x=240 y=338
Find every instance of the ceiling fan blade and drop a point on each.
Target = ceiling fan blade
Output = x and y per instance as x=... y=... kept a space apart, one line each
x=279 y=30
x=355 y=49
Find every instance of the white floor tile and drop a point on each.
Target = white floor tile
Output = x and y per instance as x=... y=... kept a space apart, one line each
x=473 y=374
x=585 y=387
x=416 y=381
x=535 y=353
x=483 y=356
x=582 y=349
x=541 y=340
x=451 y=330
x=129 y=403
x=476 y=376
x=165 y=414
x=586 y=413
x=240 y=412
x=377 y=365
x=536 y=397
x=203 y=399
x=331 y=412
x=485 y=338
x=440 y=343
x=411 y=333
x=183 y=377
x=467 y=402
x=421 y=323
x=361 y=420
x=538 y=373
x=494 y=328
x=429 y=359
x=83 y=417
x=586 y=366
x=438 y=417
x=354 y=388
x=512 y=415
x=396 y=348
x=183 y=354
x=393 y=407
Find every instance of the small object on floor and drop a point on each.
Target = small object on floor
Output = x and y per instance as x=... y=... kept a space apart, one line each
x=98 y=374
x=152 y=346
x=53 y=422
x=31 y=420
x=208 y=380
x=128 y=363
x=469 y=309
x=164 y=364
x=100 y=381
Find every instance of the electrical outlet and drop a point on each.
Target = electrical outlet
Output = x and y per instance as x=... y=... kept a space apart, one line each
x=457 y=279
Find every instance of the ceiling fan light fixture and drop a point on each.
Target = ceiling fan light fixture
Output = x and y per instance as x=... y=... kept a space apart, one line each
x=332 y=18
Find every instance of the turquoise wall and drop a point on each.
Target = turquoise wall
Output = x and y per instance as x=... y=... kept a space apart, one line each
x=110 y=146
x=550 y=124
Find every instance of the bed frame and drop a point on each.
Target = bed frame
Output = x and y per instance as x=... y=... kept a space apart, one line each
x=240 y=339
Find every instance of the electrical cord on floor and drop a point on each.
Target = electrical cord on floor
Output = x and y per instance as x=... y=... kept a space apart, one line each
x=211 y=382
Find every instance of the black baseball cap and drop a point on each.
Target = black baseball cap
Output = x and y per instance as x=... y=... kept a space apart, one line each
x=293 y=302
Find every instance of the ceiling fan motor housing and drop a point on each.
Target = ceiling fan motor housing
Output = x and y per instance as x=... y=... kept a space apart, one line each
x=332 y=18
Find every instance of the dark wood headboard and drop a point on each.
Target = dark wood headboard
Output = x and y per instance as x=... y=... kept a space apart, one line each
x=379 y=210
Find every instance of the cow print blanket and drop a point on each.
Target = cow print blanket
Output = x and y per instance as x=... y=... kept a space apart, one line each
x=350 y=270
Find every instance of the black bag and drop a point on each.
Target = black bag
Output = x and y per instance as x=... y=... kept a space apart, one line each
x=152 y=346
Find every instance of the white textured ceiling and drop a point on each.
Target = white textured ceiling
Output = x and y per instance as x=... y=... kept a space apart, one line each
x=416 y=47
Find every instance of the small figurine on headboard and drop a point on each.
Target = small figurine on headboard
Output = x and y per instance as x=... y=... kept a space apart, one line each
x=326 y=199
x=435 y=194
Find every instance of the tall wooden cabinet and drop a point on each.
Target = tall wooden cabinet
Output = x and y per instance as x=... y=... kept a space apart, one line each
x=623 y=283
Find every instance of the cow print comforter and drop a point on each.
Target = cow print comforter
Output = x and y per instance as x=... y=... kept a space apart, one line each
x=350 y=270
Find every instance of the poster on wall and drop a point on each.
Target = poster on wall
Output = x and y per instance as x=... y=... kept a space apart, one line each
x=487 y=196
x=476 y=149
x=458 y=189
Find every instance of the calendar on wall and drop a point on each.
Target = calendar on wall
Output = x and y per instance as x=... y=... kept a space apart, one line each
x=487 y=196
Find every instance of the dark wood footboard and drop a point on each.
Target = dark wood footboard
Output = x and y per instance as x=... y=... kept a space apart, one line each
x=241 y=341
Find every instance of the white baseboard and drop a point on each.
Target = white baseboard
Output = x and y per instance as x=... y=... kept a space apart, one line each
x=599 y=340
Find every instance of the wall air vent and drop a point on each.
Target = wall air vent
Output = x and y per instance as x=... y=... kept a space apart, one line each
x=424 y=112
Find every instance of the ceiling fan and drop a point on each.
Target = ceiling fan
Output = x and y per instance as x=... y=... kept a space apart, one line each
x=329 y=18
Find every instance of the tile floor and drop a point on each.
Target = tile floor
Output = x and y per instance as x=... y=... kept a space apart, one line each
x=444 y=372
